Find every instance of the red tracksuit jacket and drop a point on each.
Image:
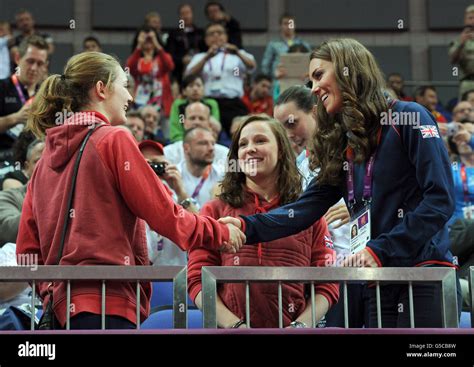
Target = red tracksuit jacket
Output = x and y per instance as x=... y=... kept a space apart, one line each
x=115 y=190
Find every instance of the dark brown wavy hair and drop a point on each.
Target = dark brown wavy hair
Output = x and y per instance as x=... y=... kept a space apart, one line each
x=361 y=83
x=289 y=178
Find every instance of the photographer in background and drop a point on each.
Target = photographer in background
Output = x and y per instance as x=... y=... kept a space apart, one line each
x=150 y=65
x=461 y=52
x=161 y=250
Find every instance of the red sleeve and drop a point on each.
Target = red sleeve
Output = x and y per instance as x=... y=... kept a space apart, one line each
x=147 y=197
x=27 y=241
x=166 y=61
x=199 y=257
x=132 y=62
x=323 y=254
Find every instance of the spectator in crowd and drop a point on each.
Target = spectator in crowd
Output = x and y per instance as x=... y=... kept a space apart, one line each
x=461 y=224
x=426 y=96
x=161 y=250
x=152 y=22
x=197 y=114
x=136 y=124
x=126 y=193
x=396 y=83
x=223 y=68
x=468 y=96
x=192 y=88
x=462 y=112
x=267 y=178
x=26 y=153
x=216 y=13
x=26 y=25
x=17 y=91
x=150 y=66
x=91 y=43
x=294 y=109
x=185 y=41
x=199 y=172
x=461 y=52
x=271 y=64
x=5 y=39
x=349 y=135
x=216 y=127
x=151 y=115
x=11 y=294
x=259 y=98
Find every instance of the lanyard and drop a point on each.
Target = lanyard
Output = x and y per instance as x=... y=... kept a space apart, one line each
x=465 y=186
x=18 y=89
x=369 y=169
x=222 y=65
x=199 y=186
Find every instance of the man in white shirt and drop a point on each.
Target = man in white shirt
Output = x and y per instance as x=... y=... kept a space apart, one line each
x=197 y=114
x=223 y=68
x=200 y=175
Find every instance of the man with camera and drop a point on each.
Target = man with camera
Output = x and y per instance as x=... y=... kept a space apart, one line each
x=223 y=68
x=161 y=250
x=461 y=52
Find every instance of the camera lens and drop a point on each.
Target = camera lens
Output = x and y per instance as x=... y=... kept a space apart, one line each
x=158 y=167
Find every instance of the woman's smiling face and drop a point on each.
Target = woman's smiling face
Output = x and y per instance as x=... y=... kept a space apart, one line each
x=325 y=87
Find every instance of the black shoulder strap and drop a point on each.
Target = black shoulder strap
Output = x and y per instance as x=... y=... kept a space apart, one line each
x=71 y=194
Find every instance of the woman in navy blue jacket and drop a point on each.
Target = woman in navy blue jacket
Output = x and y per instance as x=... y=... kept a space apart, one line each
x=386 y=158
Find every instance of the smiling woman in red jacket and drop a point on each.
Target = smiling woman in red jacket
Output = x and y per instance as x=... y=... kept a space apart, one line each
x=150 y=66
x=115 y=191
x=267 y=178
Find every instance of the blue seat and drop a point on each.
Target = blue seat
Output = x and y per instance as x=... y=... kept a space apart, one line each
x=162 y=296
x=164 y=320
x=465 y=321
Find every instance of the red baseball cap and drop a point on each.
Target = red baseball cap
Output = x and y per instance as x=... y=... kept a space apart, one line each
x=152 y=144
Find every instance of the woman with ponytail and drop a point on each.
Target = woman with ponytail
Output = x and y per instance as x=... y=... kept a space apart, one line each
x=115 y=191
x=386 y=158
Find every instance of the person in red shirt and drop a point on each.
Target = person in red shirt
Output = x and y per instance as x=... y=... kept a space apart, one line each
x=267 y=178
x=259 y=99
x=116 y=191
x=150 y=66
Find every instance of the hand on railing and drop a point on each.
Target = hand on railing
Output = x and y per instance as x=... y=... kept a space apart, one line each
x=236 y=239
x=362 y=259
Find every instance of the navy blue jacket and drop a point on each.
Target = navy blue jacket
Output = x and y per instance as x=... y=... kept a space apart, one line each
x=412 y=198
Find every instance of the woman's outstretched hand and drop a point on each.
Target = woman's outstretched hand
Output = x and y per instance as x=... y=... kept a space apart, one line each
x=231 y=220
x=236 y=238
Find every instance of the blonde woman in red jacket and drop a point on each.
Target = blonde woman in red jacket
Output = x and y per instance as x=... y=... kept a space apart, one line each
x=150 y=65
x=267 y=178
x=116 y=191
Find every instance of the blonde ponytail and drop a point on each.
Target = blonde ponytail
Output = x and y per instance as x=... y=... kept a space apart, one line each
x=61 y=95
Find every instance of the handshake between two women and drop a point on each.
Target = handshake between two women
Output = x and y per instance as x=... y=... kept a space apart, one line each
x=236 y=237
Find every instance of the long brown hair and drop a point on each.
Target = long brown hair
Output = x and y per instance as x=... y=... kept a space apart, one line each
x=361 y=84
x=70 y=92
x=289 y=178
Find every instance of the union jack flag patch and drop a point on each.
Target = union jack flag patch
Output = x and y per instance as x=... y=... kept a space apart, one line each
x=429 y=131
x=328 y=242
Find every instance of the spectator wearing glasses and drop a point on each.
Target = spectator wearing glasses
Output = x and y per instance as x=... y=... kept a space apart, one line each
x=223 y=68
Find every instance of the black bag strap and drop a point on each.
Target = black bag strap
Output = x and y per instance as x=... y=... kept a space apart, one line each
x=71 y=194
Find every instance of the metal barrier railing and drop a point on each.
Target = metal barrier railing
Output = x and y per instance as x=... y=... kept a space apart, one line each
x=177 y=274
x=243 y=274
